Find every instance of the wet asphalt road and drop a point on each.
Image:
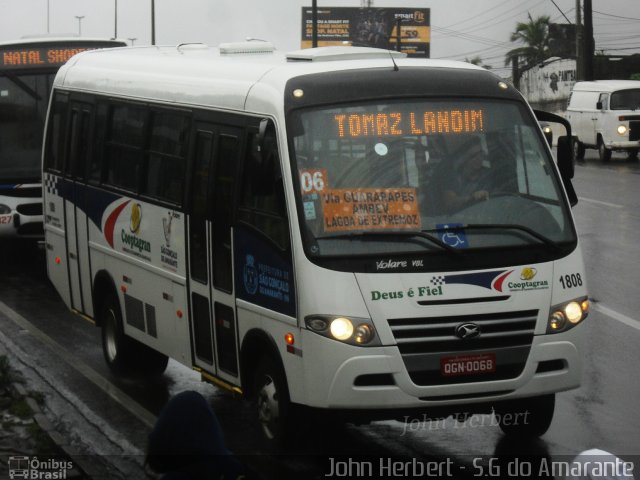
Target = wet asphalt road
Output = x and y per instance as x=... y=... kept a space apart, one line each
x=111 y=417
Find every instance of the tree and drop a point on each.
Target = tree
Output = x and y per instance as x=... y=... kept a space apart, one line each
x=535 y=36
x=477 y=61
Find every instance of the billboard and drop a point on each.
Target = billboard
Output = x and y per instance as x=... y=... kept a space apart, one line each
x=370 y=27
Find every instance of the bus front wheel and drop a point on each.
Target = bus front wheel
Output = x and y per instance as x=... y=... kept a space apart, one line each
x=526 y=418
x=272 y=402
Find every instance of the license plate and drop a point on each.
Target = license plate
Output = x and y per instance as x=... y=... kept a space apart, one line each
x=468 y=364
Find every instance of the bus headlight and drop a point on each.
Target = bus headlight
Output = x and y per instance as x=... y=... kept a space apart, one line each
x=622 y=130
x=4 y=209
x=567 y=315
x=341 y=328
x=354 y=331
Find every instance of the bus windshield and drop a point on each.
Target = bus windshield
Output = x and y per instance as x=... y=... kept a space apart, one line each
x=467 y=174
x=23 y=106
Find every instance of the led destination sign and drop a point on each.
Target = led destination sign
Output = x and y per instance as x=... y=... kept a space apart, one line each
x=37 y=56
x=409 y=123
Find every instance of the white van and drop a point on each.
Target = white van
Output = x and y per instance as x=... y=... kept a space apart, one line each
x=605 y=115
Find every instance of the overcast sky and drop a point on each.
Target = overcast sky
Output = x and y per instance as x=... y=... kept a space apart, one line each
x=460 y=28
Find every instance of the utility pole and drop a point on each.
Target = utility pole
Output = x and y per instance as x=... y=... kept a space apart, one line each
x=314 y=21
x=153 y=22
x=589 y=46
x=579 y=55
x=132 y=40
x=115 y=21
x=48 y=15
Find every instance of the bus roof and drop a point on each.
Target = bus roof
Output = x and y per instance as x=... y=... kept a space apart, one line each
x=229 y=76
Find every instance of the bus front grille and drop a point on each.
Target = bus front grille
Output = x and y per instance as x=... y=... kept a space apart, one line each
x=423 y=342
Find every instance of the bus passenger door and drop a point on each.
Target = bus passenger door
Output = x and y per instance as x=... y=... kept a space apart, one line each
x=75 y=216
x=212 y=299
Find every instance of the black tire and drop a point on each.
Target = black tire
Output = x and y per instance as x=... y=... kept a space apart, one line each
x=115 y=345
x=632 y=156
x=603 y=151
x=124 y=355
x=526 y=418
x=272 y=405
x=578 y=149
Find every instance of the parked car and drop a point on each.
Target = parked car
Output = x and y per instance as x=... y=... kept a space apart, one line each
x=605 y=114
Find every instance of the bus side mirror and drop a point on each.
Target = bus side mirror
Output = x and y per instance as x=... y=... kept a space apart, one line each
x=262 y=133
x=564 y=154
x=566 y=167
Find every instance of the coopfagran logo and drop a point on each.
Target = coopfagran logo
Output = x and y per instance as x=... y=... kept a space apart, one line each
x=136 y=218
x=528 y=273
x=527 y=282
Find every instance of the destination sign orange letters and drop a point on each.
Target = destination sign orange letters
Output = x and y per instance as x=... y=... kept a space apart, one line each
x=370 y=208
x=38 y=56
x=409 y=123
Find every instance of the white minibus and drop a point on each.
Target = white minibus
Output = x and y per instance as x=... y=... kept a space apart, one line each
x=340 y=231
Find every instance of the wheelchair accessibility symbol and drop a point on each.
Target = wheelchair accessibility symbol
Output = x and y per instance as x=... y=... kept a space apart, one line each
x=449 y=234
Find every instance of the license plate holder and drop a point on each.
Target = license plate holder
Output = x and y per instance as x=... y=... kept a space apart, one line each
x=472 y=364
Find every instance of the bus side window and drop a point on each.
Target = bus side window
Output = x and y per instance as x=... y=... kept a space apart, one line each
x=94 y=173
x=166 y=163
x=124 y=152
x=262 y=202
x=54 y=153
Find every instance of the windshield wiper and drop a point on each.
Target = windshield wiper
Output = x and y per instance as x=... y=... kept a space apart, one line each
x=402 y=233
x=505 y=226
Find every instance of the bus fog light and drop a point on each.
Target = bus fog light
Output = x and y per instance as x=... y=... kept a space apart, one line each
x=4 y=209
x=341 y=328
x=363 y=334
x=573 y=312
x=622 y=129
x=557 y=321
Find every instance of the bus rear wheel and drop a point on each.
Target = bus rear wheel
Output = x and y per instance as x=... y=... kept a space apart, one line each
x=124 y=355
x=526 y=418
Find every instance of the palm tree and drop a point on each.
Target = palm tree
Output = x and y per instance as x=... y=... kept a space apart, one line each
x=535 y=35
x=477 y=61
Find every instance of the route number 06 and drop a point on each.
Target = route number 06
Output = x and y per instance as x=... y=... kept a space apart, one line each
x=312 y=181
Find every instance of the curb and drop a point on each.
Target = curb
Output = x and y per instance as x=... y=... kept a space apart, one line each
x=81 y=464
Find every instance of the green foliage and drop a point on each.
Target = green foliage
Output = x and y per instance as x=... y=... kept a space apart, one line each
x=534 y=34
x=635 y=76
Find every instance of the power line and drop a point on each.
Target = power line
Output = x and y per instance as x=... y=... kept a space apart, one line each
x=570 y=23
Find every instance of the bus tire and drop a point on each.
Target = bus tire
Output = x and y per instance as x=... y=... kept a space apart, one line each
x=124 y=355
x=115 y=345
x=271 y=403
x=526 y=418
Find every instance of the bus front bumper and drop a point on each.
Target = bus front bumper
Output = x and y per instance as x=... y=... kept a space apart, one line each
x=378 y=378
